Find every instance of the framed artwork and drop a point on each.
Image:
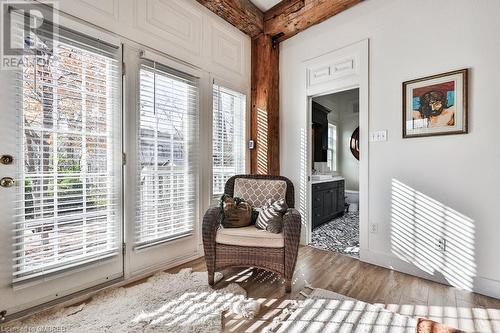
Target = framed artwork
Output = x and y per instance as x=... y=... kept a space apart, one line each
x=435 y=105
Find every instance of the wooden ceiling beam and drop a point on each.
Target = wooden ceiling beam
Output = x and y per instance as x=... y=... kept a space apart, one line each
x=243 y=14
x=289 y=17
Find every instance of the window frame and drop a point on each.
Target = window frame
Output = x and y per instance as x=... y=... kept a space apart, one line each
x=170 y=68
x=76 y=35
x=244 y=90
x=244 y=135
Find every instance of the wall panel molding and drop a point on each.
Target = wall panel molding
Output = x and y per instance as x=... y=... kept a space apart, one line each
x=104 y=13
x=180 y=29
x=172 y=22
x=227 y=51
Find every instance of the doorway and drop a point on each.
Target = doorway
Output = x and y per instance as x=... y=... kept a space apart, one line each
x=335 y=172
x=337 y=71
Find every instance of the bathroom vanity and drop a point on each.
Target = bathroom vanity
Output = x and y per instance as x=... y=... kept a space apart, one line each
x=327 y=200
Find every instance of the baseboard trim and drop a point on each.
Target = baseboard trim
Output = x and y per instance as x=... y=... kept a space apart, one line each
x=482 y=285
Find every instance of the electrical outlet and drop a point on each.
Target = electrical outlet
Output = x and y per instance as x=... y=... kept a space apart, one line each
x=374 y=228
x=441 y=244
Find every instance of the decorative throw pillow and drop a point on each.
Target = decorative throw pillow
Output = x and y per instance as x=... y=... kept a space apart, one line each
x=271 y=216
x=236 y=213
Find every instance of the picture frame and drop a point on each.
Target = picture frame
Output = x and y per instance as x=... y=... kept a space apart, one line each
x=436 y=105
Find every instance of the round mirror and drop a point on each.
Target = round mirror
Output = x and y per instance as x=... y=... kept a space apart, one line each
x=355 y=143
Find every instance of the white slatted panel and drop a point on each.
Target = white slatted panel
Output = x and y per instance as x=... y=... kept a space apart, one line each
x=69 y=109
x=228 y=136
x=167 y=154
x=332 y=147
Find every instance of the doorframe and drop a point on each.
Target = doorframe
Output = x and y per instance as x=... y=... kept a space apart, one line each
x=339 y=70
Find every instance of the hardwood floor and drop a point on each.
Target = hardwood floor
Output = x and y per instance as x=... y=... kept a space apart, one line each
x=398 y=292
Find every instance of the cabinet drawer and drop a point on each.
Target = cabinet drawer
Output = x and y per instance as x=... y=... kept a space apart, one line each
x=323 y=186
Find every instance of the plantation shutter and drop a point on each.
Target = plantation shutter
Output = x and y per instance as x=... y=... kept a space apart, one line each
x=69 y=146
x=167 y=154
x=228 y=136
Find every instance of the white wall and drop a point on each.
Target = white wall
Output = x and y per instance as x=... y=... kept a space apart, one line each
x=423 y=188
x=348 y=164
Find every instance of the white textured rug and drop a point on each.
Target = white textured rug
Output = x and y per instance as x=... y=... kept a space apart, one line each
x=326 y=311
x=182 y=302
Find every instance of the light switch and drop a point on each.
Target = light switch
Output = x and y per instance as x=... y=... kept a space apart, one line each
x=382 y=135
x=378 y=136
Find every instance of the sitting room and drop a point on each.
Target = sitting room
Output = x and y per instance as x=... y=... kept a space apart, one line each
x=249 y=166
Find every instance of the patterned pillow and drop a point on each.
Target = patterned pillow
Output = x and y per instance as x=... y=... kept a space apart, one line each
x=271 y=216
x=257 y=191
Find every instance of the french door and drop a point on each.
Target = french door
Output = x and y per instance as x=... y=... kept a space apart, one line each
x=74 y=213
x=60 y=196
x=162 y=186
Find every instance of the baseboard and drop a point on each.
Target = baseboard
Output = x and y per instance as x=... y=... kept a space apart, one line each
x=482 y=285
x=164 y=265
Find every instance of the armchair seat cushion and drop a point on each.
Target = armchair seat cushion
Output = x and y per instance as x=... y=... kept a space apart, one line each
x=249 y=236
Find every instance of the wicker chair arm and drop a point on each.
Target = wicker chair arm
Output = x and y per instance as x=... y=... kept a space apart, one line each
x=211 y=221
x=292 y=223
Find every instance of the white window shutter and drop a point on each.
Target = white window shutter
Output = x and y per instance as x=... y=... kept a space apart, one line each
x=167 y=154
x=228 y=136
x=68 y=117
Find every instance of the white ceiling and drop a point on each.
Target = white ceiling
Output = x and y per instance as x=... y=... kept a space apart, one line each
x=264 y=5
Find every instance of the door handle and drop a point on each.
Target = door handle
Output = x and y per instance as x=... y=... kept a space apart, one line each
x=7 y=182
x=6 y=159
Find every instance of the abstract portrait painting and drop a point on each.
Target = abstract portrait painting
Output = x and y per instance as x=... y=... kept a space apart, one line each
x=435 y=105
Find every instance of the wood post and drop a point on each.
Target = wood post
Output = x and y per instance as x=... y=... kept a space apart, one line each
x=265 y=106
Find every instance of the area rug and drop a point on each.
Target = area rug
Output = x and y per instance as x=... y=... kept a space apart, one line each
x=339 y=235
x=327 y=311
x=181 y=302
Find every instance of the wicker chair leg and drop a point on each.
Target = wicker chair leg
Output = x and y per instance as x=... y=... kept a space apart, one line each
x=288 y=285
x=211 y=277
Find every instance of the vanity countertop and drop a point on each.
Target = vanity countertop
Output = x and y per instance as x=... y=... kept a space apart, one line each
x=333 y=179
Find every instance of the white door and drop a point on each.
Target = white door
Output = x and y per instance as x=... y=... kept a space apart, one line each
x=162 y=172
x=60 y=220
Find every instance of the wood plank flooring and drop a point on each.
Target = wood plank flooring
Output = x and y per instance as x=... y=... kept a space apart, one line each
x=399 y=292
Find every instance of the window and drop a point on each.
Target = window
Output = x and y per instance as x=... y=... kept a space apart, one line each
x=332 y=147
x=68 y=204
x=228 y=136
x=167 y=156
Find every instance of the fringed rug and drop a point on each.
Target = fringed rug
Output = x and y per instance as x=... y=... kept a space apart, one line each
x=181 y=302
x=327 y=311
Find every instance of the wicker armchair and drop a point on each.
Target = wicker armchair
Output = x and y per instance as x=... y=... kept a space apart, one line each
x=280 y=259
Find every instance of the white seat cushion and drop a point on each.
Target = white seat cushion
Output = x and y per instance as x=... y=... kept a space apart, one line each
x=249 y=236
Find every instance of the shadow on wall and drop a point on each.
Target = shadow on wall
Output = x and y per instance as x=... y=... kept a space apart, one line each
x=262 y=130
x=303 y=185
x=420 y=223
